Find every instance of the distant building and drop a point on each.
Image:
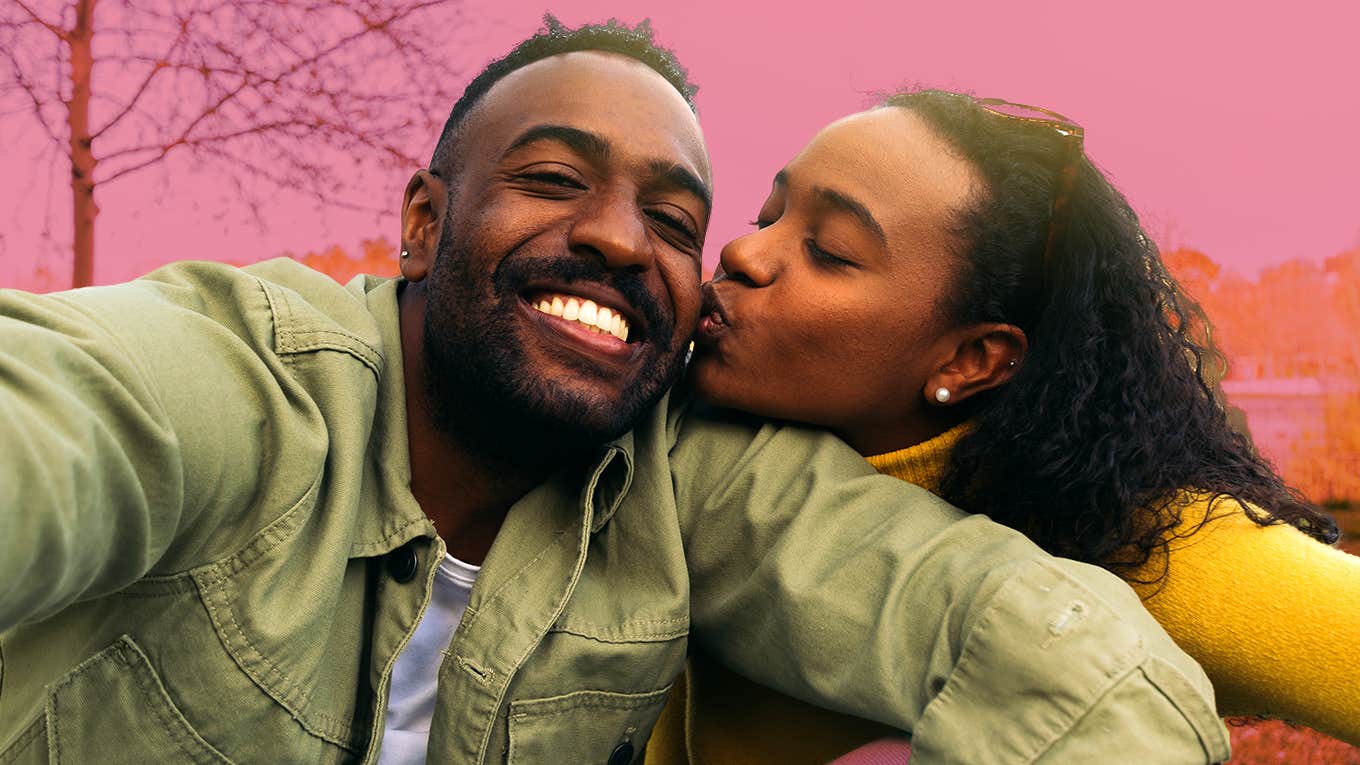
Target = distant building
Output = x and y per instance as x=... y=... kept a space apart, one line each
x=1301 y=425
x=1280 y=412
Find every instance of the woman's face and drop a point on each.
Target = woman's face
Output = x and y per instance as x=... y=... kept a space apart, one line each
x=829 y=312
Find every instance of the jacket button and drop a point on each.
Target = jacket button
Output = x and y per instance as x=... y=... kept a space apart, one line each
x=623 y=754
x=402 y=563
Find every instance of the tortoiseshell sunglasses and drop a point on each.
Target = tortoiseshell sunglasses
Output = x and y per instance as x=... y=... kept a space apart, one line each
x=1074 y=137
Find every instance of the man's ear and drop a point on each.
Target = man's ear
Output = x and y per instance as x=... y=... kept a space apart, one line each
x=979 y=357
x=422 y=219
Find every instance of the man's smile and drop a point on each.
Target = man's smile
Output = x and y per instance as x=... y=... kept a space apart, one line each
x=584 y=311
x=595 y=325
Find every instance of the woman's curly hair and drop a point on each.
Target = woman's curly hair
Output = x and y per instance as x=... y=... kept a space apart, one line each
x=1088 y=448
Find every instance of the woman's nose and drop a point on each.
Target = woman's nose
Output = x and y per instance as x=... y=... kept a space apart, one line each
x=745 y=260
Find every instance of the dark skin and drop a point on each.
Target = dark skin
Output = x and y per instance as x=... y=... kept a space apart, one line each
x=464 y=493
x=833 y=307
x=586 y=156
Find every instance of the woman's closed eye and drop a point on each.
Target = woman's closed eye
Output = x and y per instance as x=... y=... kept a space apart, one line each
x=824 y=257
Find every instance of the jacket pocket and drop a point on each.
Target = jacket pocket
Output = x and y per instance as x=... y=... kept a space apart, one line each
x=113 y=708
x=583 y=727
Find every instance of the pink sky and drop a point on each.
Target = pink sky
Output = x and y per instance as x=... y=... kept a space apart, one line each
x=1231 y=130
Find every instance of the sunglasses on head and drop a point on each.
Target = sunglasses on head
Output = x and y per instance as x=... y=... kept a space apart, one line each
x=1072 y=135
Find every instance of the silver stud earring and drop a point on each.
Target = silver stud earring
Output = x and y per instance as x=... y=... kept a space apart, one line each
x=1011 y=363
x=942 y=395
x=406 y=254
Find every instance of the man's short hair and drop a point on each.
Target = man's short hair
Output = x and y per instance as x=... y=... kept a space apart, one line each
x=612 y=36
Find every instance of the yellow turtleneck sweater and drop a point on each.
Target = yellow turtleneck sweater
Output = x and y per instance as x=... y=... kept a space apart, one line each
x=1272 y=616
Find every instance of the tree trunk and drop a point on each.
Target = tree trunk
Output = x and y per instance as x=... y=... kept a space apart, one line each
x=82 y=156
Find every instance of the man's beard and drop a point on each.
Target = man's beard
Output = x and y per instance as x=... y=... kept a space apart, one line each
x=479 y=383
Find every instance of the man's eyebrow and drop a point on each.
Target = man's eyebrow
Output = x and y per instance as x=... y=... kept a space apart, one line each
x=580 y=141
x=597 y=149
x=840 y=201
x=675 y=175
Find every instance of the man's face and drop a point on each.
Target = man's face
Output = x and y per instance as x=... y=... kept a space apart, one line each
x=565 y=286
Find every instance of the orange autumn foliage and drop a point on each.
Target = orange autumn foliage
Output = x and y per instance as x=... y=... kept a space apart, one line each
x=375 y=256
x=1292 y=340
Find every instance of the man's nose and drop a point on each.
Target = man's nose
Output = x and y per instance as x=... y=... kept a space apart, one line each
x=744 y=260
x=615 y=228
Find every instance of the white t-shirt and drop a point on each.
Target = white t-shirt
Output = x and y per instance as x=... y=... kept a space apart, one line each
x=415 y=676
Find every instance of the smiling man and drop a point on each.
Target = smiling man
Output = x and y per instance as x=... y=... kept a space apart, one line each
x=253 y=516
x=547 y=311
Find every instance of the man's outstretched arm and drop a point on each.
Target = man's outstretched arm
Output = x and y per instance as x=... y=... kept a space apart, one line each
x=864 y=594
x=124 y=412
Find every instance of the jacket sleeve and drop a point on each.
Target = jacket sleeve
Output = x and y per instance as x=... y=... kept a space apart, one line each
x=125 y=411
x=858 y=592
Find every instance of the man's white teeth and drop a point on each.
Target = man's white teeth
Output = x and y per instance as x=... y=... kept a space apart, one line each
x=597 y=317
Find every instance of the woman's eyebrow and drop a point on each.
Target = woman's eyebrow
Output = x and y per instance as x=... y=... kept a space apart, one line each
x=844 y=202
x=839 y=200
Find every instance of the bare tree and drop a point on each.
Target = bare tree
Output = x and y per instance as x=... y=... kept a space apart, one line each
x=267 y=93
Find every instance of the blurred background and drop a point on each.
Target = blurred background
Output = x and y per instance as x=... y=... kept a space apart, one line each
x=139 y=132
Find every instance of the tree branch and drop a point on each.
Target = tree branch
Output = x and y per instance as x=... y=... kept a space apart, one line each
x=266 y=92
x=195 y=143
x=156 y=68
x=317 y=57
x=53 y=28
x=38 y=106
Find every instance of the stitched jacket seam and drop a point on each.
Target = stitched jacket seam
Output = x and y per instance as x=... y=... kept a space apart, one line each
x=25 y=740
x=284 y=691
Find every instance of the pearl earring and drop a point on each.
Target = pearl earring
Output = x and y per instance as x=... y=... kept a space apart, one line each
x=405 y=254
x=942 y=395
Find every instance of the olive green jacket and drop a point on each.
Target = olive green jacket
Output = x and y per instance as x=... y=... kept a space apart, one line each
x=209 y=552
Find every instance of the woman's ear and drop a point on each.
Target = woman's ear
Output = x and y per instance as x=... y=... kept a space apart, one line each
x=422 y=219
x=979 y=357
